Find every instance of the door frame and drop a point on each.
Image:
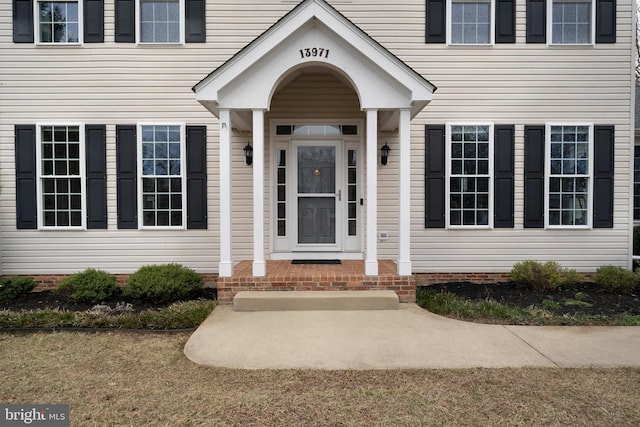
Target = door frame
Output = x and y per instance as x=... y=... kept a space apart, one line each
x=286 y=247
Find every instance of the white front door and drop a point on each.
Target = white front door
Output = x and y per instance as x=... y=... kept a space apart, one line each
x=317 y=193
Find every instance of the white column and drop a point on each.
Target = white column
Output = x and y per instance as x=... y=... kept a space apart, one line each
x=404 y=202
x=259 y=265
x=371 y=256
x=225 y=268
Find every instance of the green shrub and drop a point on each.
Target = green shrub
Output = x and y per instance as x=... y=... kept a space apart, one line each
x=12 y=287
x=616 y=279
x=162 y=283
x=543 y=277
x=90 y=286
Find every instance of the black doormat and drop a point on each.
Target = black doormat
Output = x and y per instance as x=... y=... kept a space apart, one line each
x=316 y=261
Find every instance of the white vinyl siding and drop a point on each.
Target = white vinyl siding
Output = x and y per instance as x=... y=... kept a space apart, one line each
x=118 y=83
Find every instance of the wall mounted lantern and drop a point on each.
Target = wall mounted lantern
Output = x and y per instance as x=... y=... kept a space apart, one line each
x=385 y=153
x=248 y=154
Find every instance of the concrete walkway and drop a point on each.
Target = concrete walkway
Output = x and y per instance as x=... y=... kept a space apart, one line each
x=408 y=338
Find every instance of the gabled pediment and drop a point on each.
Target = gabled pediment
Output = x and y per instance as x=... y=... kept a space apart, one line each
x=314 y=34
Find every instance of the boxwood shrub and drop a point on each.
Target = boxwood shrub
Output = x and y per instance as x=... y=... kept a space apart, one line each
x=162 y=283
x=12 y=287
x=543 y=276
x=616 y=279
x=91 y=286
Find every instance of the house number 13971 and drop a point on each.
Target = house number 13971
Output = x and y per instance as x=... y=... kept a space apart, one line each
x=314 y=52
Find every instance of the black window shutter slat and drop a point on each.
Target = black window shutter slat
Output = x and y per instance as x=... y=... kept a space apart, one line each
x=126 y=171
x=93 y=21
x=96 y=163
x=26 y=204
x=503 y=176
x=505 y=21
x=536 y=21
x=605 y=21
x=23 y=21
x=196 y=177
x=534 y=176
x=436 y=23
x=125 y=21
x=195 y=21
x=434 y=176
x=603 y=176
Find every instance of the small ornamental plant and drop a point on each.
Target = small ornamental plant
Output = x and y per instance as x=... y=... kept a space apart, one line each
x=543 y=276
x=162 y=283
x=616 y=279
x=13 y=287
x=90 y=286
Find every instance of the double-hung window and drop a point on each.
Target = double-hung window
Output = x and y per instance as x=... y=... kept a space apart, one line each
x=471 y=21
x=470 y=162
x=162 y=185
x=569 y=170
x=60 y=160
x=572 y=21
x=58 y=22
x=161 y=21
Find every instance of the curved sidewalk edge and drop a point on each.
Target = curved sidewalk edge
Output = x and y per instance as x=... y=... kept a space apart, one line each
x=408 y=338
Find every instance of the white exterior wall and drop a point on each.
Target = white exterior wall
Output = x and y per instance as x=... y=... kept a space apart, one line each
x=125 y=83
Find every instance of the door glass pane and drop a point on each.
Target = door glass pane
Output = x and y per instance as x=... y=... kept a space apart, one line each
x=316 y=220
x=316 y=170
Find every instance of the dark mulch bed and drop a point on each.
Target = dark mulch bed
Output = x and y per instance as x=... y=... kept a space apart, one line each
x=565 y=300
x=62 y=301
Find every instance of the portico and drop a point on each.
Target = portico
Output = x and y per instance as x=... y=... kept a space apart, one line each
x=338 y=166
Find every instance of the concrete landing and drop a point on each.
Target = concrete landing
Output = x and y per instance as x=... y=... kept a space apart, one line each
x=315 y=300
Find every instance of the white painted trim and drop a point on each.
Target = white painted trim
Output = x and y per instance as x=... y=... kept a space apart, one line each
x=138 y=17
x=36 y=25
x=225 y=266
x=371 y=252
x=82 y=176
x=550 y=24
x=404 y=199
x=492 y=24
x=547 y=176
x=259 y=265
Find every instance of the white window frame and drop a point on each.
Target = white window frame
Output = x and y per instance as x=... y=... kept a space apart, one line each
x=492 y=24
x=181 y=41
x=183 y=176
x=548 y=176
x=448 y=175
x=36 y=18
x=40 y=176
x=550 y=23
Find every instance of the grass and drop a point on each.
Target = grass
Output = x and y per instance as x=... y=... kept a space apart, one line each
x=489 y=311
x=181 y=315
x=134 y=379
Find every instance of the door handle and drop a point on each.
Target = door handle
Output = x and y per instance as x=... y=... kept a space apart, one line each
x=339 y=194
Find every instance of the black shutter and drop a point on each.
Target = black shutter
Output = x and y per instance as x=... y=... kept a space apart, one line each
x=605 y=21
x=96 y=163
x=126 y=170
x=436 y=21
x=505 y=21
x=125 y=17
x=534 y=176
x=536 y=21
x=23 y=21
x=26 y=204
x=93 y=21
x=503 y=176
x=195 y=21
x=603 y=176
x=197 y=177
x=434 y=176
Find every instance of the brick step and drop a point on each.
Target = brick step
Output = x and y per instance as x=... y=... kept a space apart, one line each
x=315 y=300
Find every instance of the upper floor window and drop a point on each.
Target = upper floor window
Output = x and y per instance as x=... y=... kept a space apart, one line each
x=161 y=21
x=58 y=22
x=569 y=175
x=61 y=176
x=471 y=21
x=636 y=183
x=162 y=182
x=469 y=165
x=572 y=21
